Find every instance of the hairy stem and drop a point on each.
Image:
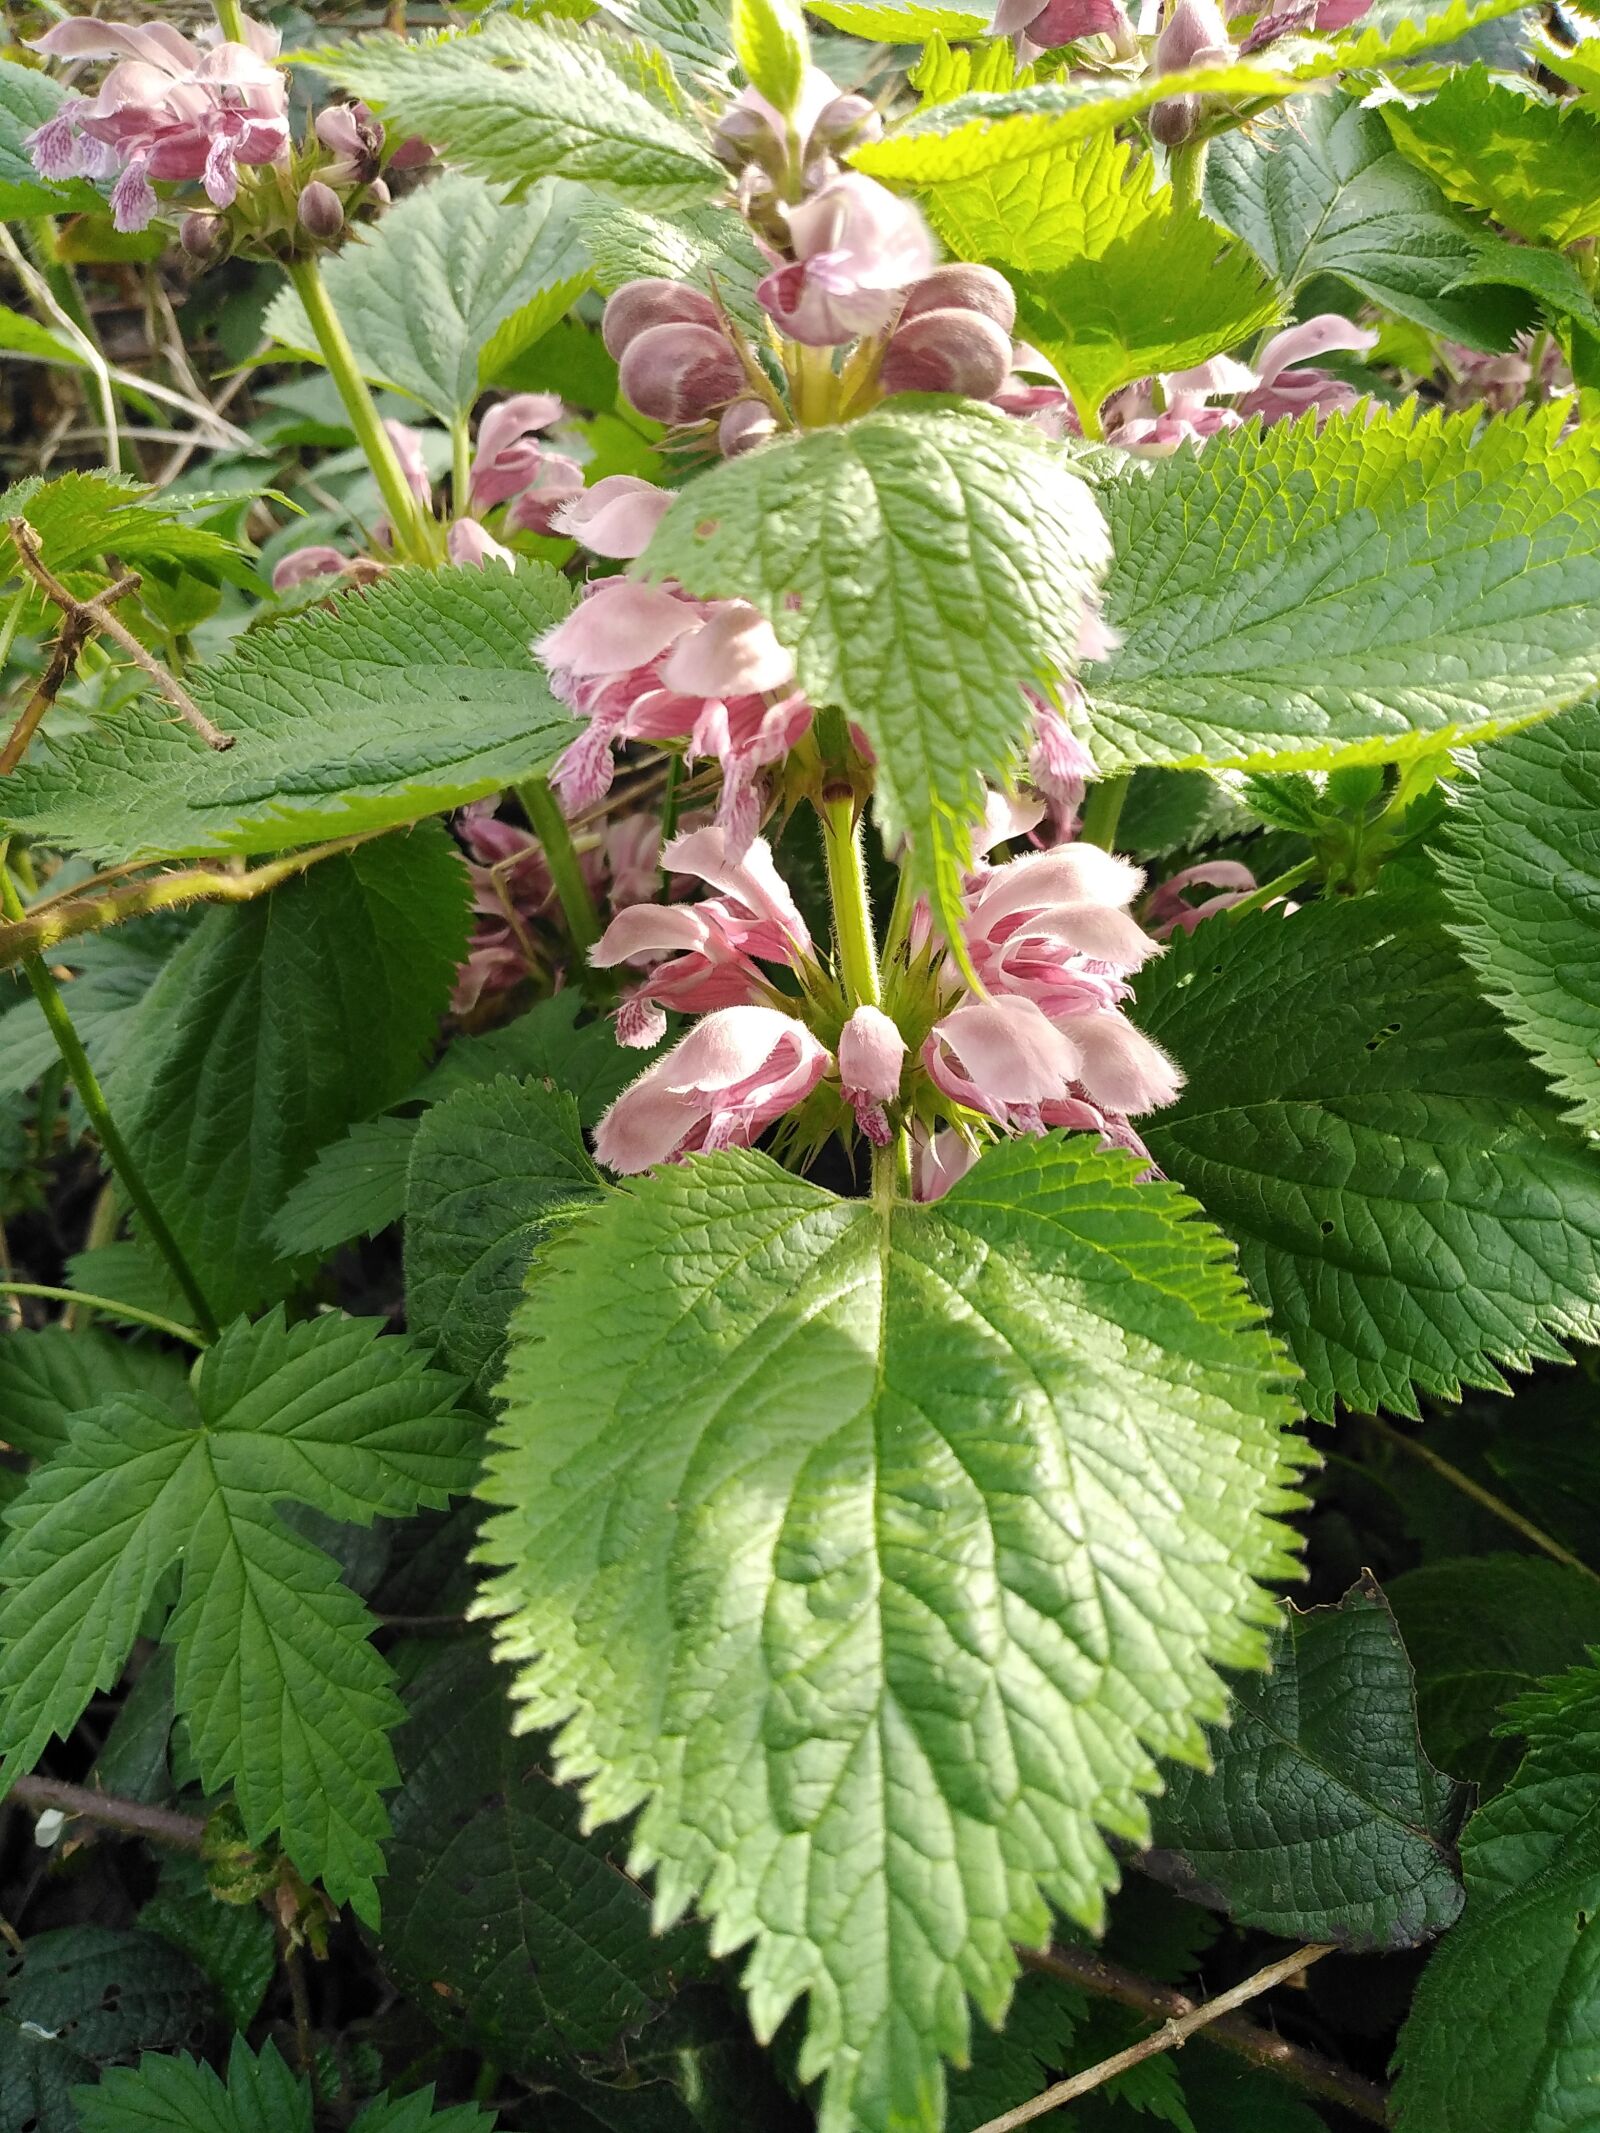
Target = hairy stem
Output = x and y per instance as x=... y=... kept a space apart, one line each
x=1102 y=810
x=460 y=465
x=185 y=1833
x=1270 y=891
x=1307 y=2070
x=84 y=1080
x=847 y=891
x=411 y=538
x=108 y=1304
x=231 y=16
x=549 y=825
x=1484 y=1498
x=1186 y=168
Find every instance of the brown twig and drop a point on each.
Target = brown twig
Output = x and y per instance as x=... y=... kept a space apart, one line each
x=164 y=1825
x=1491 y=1503
x=44 y=929
x=95 y=614
x=1307 y=2070
x=77 y=627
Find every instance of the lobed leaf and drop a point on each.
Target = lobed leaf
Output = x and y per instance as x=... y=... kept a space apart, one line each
x=1531 y=164
x=877 y=1554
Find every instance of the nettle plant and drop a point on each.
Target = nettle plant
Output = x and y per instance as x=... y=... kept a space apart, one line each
x=885 y=796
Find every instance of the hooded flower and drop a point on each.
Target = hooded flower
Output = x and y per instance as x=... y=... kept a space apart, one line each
x=856 y=247
x=509 y=456
x=615 y=518
x=1276 y=390
x=1168 y=911
x=736 y=1072
x=871 y=1054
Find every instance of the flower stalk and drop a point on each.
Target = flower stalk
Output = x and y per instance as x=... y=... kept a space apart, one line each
x=549 y=825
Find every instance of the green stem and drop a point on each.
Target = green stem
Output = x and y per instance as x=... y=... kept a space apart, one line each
x=231 y=17
x=1102 y=810
x=549 y=825
x=1270 y=891
x=669 y=800
x=84 y=1080
x=411 y=537
x=109 y=1305
x=847 y=889
x=460 y=465
x=1186 y=169
x=1482 y=1496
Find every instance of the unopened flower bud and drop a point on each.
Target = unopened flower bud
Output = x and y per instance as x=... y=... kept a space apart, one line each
x=744 y=136
x=639 y=305
x=1174 y=119
x=680 y=372
x=744 y=425
x=962 y=288
x=1193 y=35
x=947 y=352
x=321 y=211
x=846 y=123
x=378 y=194
x=199 y=235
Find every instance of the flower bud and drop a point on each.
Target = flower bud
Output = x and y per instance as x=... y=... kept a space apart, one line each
x=679 y=372
x=321 y=211
x=947 y=352
x=638 y=305
x=1193 y=35
x=744 y=136
x=1174 y=119
x=846 y=123
x=962 y=288
x=744 y=425
x=200 y=235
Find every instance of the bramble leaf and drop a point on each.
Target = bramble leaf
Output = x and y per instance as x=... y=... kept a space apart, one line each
x=878 y=1554
x=1504 y=2032
x=1521 y=867
x=1322 y=1818
x=275 y=1026
x=521 y=99
x=1406 y=1202
x=354 y=1188
x=414 y=696
x=48 y=1377
x=1533 y=165
x=284 y=1698
x=924 y=565
x=452 y=282
x=1294 y=598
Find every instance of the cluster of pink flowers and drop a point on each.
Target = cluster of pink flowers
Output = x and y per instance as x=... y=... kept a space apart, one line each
x=1194 y=33
x=170 y=108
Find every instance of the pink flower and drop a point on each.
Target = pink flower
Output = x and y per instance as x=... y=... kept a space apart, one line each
x=301 y=564
x=1284 y=391
x=468 y=543
x=751 y=120
x=938 y=1160
x=1167 y=912
x=168 y=109
x=1048 y=24
x=556 y=481
x=871 y=1053
x=616 y=517
x=1003 y=1057
x=735 y=1073
x=407 y=444
x=1033 y=923
x=508 y=458
x=856 y=246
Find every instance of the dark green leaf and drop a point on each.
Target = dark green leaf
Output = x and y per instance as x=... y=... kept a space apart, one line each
x=183 y=2095
x=46 y=1378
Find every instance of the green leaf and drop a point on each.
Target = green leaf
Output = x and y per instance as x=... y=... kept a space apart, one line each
x=1533 y=165
x=1329 y=193
x=450 y=277
x=111 y=973
x=184 y=2095
x=81 y=518
x=901 y=21
x=1405 y=1200
x=283 y=1696
x=28 y=97
x=354 y=1188
x=276 y=1026
x=47 y=1378
x=770 y=43
x=1009 y=2066
x=502 y=1920
x=1504 y=2033
x=79 y=1998
x=1480 y=1633
x=414 y=696
x=1124 y=281
x=232 y=1944
x=416 y=2114
x=1294 y=598
x=923 y=564
x=877 y=1554
x=492 y=1171
x=707 y=246
x=1521 y=866
x=1322 y=1818
x=522 y=100
x=696 y=35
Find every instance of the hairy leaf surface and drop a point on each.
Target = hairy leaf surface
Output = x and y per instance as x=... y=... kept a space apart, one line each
x=878 y=1555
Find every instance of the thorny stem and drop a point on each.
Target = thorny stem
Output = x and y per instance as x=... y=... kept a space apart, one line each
x=1232 y=2033
x=108 y=1304
x=1485 y=1498
x=85 y=1081
x=411 y=538
x=1102 y=811
x=185 y=1833
x=549 y=825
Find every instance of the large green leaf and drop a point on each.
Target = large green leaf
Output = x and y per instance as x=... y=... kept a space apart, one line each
x=1323 y=1818
x=414 y=696
x=450 y=274
x=522 y=99
x=501 y=1919
x=275 y=1027
x=284 y=1698
x=1521 y=865
x=1121 y=281
x=1481 y=1632
x=923 y=565
x=1406 y=1202
x=46 y=1378
x=1327 y=192
x=1504 y=2033
x=710 y=246
x=1291 y=597
x=1533 y=165
x=492 y=1169
x=878 y=1554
